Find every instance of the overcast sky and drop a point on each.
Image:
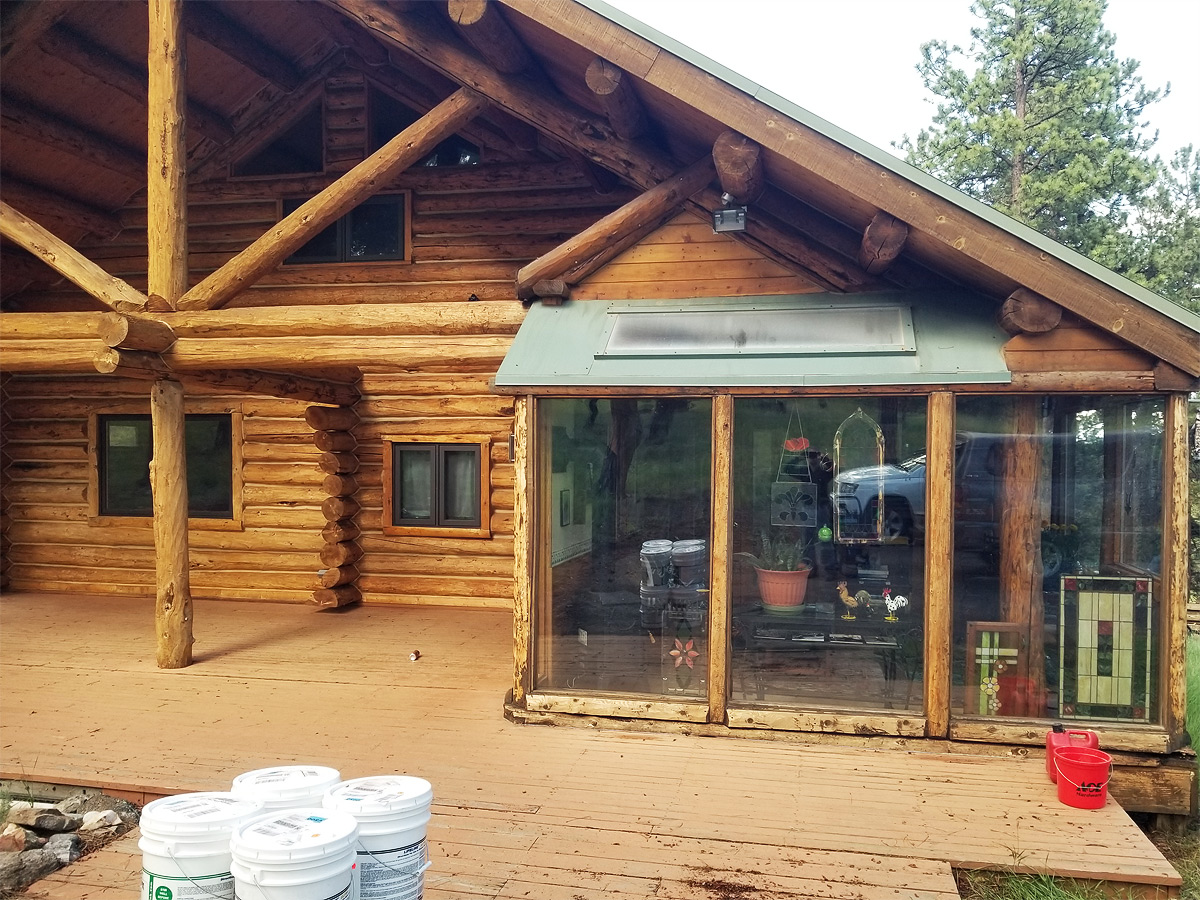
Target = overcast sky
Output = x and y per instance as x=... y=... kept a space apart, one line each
x=852 y=62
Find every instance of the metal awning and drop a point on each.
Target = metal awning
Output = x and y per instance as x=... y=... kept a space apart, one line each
x=795 y=340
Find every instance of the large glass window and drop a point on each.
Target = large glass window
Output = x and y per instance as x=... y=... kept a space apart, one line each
x=625 y=513
x=1058 y=510
x=124 y=448
x=828 y=536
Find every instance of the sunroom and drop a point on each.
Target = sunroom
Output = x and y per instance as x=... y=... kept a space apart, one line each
x=836 y=515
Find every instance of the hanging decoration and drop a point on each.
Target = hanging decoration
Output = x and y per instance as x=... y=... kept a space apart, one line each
x=794 y=495
x=858 y=510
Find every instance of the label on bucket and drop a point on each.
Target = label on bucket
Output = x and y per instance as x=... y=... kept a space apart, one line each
x=183 y=887
x=392 y=874
x=344 y=894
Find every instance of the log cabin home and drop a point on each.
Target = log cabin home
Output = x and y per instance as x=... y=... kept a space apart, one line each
x=522 y=304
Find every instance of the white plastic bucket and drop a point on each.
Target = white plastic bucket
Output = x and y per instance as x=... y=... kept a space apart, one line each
x=393 y=814
x=185 y=845
x=295 y=854
x=287 y=787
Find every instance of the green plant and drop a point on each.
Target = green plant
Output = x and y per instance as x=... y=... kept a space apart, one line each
x=779 y=553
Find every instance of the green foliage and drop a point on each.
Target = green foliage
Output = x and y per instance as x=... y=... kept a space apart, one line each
x=780 y=552
x=1047 y=128
x=1004 y=886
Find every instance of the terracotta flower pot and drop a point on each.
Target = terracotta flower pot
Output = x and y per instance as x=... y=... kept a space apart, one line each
x=782 y=591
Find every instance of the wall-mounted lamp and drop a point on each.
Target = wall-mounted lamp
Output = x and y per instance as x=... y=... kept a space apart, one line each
x=729 y=217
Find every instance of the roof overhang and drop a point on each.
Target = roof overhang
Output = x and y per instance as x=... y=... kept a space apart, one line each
x=897 y=338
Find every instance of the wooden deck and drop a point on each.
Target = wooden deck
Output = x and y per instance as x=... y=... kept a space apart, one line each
x=520 y=811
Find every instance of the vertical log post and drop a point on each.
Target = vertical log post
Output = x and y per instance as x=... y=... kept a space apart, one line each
x=1173 y=680
x=719 y=554
x=335 y=440
x=523 y=536
x=1022 y=510
x=939 y=562
x=167 y=281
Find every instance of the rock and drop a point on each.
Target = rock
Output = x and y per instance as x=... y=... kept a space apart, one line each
x=67 y=847
x=48 y=820
x=96 y=819
x=14 y=839
x=87 y=801
x=19 y=870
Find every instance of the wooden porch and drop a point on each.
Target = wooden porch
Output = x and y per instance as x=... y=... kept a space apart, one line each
x=520 y=811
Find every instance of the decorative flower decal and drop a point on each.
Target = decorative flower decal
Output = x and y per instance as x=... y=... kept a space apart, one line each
x=994 y=704
x=796 y=444
x=684 y=653
x=990 y=686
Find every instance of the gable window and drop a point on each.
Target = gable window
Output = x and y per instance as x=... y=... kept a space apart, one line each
x=124 y=447
x=298 y=150
x=373 y=230
x=436 y=486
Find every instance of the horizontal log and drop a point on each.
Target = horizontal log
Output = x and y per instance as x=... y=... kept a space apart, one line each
x=327 y=418
x=286 y=473
x=421 y=384
x=339 y=485
x=345 y=595
x=337 y=508
x=48 y=356
x=340 y=530
x=334 y=441
x=289 y=495
x=383 y=562
x=549 y=201
x=61 y=326
x=1027 y=312
x=130 y=363
x=135 y=332
x=340 y=554
x=378 y=407
x=272 y=384
x=338 y=575
x=338 y=463
x=434 y=585
x=296 y=354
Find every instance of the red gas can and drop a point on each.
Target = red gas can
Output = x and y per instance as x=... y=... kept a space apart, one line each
x=1058 y=738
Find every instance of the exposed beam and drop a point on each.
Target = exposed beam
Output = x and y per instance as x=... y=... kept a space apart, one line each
x=614 y=91
x=83 y=144
x=217 y=30
x=68 y=261
x=739 y=166
x=64 y=326
x=64 y=210
x=166 y=180
x=49 y=356
x=408 y=147
x=130 y=363
x=593 y=246
x=428 y=319
x=396 y=353
x=130 y=80
x=882 y=243
x=21 y=24
x=1027 y=312
x=135 y=332
x=482 y=24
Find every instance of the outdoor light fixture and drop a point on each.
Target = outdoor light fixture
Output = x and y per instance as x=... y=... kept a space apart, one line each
x=729 y=217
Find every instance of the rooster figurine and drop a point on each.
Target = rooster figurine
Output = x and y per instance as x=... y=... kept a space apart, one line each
x=899 y=601
x=862 y=598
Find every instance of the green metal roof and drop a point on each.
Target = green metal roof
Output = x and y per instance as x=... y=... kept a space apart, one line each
x=899 y=167
x=935 y=338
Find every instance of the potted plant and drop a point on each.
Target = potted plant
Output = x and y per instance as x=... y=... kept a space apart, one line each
x=782 y=569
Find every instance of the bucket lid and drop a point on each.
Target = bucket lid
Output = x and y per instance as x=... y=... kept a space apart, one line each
x=286 y=782
x=662 y=546
x=294 y=835
x=379 y=795
x=205 y=813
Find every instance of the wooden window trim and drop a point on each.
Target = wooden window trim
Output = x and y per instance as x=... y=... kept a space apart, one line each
x=199 y=523
x=484 y=445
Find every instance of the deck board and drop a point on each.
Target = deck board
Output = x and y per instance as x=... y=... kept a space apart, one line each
x=520 y=811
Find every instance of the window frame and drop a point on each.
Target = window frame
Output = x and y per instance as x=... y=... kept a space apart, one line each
x=482 y=445
x=343 y=231
x=205 y=523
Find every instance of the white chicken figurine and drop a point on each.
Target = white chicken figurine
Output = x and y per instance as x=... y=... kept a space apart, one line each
x=893 y=603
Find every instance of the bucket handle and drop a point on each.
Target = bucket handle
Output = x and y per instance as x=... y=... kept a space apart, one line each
x=1062 y=775
x=171 y=853
x=384 y=863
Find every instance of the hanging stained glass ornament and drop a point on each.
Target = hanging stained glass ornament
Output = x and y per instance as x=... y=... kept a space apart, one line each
x=793 y=494
x=858 y=447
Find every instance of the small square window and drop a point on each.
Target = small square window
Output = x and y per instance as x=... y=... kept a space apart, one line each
x=433 y=487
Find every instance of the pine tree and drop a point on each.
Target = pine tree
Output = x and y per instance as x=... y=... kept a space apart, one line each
x=1048 y=127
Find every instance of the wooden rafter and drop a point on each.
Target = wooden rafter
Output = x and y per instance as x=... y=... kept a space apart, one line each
x=614 y=91
x=339 y=198
x=65 y=259
x=21 y=24
x=594 y=246
x=482 y=24
x=205 y=21
x=82 y=54
x=62 y=209
x=82 y=143
x=739 y=166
